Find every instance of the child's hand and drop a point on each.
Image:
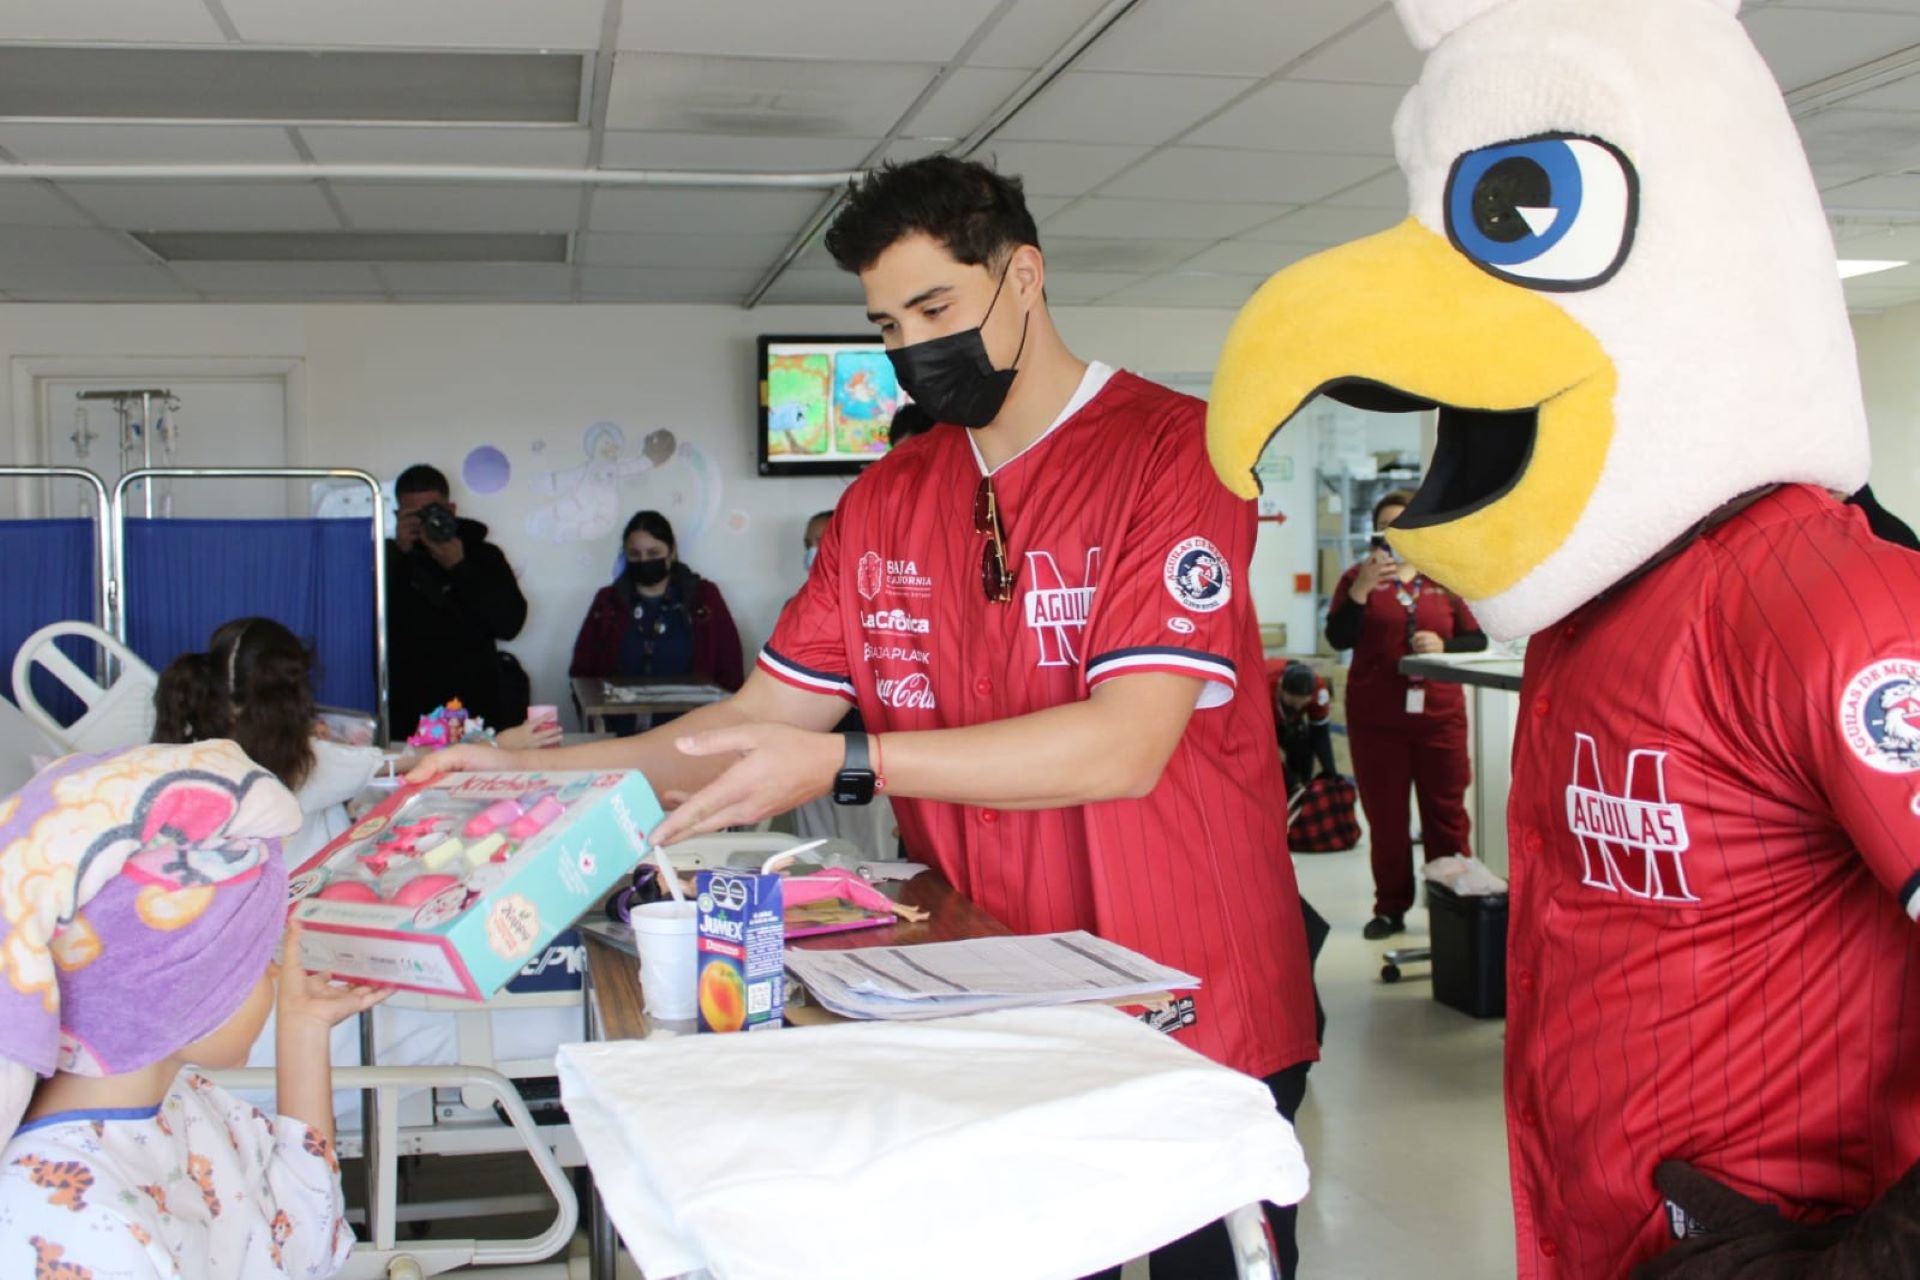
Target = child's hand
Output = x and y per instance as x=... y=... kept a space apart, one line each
x=314 y=1000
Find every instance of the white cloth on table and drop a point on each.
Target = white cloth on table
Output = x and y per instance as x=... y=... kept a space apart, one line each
x=1025 y=1144
x=202 y=1187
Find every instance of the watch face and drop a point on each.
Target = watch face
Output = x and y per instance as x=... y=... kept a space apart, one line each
x=853 y=788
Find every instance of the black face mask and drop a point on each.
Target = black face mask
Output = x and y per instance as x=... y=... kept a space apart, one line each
x=953 y=378
x=647 y=573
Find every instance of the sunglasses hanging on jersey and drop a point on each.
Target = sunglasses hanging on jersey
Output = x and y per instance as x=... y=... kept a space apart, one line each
x=996 y=575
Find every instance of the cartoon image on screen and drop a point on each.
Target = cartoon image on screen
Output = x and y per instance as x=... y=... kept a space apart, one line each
x=865 y=395
x=797 y=403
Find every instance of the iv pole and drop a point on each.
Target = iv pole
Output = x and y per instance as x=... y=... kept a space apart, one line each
x=122 y=402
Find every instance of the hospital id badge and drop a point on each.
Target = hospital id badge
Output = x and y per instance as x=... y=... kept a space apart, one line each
x=1416 y=699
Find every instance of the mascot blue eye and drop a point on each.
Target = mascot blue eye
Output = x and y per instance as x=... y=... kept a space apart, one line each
x=1551 y=213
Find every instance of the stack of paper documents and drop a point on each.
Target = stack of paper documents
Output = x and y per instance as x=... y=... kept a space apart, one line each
x=941 y=979
x=663 y=692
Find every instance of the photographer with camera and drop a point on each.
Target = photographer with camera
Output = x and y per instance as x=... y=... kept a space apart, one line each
x=450 y=596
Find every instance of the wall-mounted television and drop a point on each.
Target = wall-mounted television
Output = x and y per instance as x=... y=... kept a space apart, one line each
x=825 y=404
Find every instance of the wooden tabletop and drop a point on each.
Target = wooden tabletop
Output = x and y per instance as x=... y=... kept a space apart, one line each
x=613 y=977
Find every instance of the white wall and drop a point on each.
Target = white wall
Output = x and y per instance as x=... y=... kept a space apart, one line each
x=385 y=386
x=1889 y=346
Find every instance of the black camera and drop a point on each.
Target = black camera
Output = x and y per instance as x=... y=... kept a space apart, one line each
x=437 y=524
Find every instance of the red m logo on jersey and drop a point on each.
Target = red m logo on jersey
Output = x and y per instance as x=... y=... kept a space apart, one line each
x=1631 y=842
x=1054 y=605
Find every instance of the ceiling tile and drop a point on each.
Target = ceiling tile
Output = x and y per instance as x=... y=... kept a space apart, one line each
x=230 y=278
x=1887 y=140
x=700 y=212
x=545 y=279
x=52 y=281
x=906 y=150
x=179 y=206
x=429 y=207
x=1804 y=46
x=604 y=249
x=829 y=287
x=148 y=144
x=628 y=149
x=1209 y=173
x=112 y=22
x=823 y=29
x=1219 y=37
x=1355 y=119
x=1325 y=224
x=1059 y=168
x=1247 y=257
x=1376 y=52
x=1879 y=240
x=1148 y=219
x=684 y=94
x=1387 y=191
x=1044 y=207
x=963 y=102
x=375 y=144
x=1186 y=290
x=1027 y=35
x=1098 y=106
x=33 y=204
x=1116 y=256
x=1078 y=288
x=1895 y=192
x=445 y=24
x=666 y=284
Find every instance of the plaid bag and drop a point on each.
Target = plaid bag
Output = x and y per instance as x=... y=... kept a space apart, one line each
x=1323 y=820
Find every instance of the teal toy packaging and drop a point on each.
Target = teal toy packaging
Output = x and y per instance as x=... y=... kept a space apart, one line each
x=451 y=886
x=742 y=945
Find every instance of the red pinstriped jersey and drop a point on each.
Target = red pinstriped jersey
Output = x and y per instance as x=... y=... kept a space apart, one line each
x=1131 y=558
x=1716 y=832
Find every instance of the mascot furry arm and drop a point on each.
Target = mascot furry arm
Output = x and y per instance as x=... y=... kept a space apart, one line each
x=1617 y=288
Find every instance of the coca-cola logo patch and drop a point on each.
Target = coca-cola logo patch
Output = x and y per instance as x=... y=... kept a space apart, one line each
x=908 y=693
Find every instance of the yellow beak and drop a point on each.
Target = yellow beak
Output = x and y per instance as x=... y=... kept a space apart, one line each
x=1406 y=310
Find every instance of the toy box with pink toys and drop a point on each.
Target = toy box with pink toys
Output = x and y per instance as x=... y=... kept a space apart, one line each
x=450 y=886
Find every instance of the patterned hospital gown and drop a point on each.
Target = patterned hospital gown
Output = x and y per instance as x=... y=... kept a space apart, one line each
x=203 y=1187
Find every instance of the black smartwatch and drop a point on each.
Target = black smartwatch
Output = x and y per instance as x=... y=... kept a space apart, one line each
x=854 y=783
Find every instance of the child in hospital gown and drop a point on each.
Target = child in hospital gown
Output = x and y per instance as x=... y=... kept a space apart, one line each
x=202 y=1186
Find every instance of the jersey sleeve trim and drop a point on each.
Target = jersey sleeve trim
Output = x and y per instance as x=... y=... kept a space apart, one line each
x=1216 y=670
x=1910 y=897
x=790 y=672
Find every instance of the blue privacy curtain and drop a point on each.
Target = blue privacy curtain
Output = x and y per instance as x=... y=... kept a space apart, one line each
x=47 y=577
x=315 y=577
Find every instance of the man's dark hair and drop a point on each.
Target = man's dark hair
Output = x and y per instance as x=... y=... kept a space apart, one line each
x=909 y=420
x=978 y=214
x=821 y=515
x=1297 y=680
x=421 y=478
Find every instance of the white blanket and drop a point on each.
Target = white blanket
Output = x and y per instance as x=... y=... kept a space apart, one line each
x=1025 y=1144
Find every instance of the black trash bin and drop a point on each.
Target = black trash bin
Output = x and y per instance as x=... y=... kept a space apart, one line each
x=1469 y=951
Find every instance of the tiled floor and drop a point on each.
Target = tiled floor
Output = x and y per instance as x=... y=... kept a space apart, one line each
x=1402 y=1124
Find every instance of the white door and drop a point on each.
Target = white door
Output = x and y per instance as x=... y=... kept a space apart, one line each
x=220 y=422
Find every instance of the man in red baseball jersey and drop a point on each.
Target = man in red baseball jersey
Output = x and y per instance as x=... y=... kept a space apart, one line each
x=1040 y=608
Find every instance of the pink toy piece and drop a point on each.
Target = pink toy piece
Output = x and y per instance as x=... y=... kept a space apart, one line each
x=490 y=819
x=375 y=863
x=420 y=888
x=537 y=819
x=349 y=891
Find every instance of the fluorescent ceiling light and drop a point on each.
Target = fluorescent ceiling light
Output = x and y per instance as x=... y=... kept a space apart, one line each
x=41 y=82
x=353 y=246
x=1851 y=267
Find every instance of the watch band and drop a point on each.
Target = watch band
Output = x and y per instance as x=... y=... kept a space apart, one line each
x=854 y=784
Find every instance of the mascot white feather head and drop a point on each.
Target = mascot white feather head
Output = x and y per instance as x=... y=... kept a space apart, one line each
x=1616 y=284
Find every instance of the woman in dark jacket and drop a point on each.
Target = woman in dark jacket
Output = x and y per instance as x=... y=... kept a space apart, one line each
x=659 y=618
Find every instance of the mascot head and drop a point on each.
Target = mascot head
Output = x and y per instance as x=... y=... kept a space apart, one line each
x=1616 y=285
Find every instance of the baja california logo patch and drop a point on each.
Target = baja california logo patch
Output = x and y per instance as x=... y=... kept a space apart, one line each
x=1197 y=576
x=1880 y=715
x=869 y=576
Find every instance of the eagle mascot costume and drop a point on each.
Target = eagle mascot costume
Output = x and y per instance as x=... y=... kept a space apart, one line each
x=1617 y=288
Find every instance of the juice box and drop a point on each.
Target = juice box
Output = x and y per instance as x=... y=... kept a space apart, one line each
x=742 y=943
